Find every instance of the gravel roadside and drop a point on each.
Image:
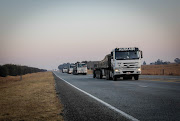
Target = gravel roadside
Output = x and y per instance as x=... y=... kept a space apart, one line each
x=80 y=107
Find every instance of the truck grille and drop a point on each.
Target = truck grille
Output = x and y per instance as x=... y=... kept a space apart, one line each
x=128 y=71
x=130 y=65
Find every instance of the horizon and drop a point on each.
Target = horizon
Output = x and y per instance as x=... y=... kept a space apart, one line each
x=45 y=34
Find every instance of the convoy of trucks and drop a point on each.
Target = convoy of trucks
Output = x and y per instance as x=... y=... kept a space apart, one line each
x=121 y=62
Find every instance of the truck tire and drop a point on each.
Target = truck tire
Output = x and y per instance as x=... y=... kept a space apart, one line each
x=97 y=74
x=107 y=75
x=114 y=78
x=74 y=72
x=136 y=77
x=94 y=76
x=100 y=74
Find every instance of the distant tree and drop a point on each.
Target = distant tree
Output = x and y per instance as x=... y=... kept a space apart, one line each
x=152 y=63
x=14 y=70
x=177 y=60
x=3 y=71
x=60 y=67
x=158 y=62
x=144 y=63
x=166 y=62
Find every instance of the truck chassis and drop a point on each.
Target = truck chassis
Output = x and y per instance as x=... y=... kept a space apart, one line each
x=108 y=73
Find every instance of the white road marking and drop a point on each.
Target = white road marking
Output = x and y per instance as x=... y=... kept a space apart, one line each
x=104 y=103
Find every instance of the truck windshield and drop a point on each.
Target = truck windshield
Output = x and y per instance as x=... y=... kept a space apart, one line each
x=126 y=55
x=82 y=65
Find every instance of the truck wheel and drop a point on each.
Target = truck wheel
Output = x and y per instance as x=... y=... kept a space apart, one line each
x=94 y=76
x=100 y=75
x=114 y=78
x=136 y=77
x=107 y=75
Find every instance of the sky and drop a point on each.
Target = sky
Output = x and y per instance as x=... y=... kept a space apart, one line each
x=45 y=34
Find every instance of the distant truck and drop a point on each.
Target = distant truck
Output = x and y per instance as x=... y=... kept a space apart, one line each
x=64 y=70
x=70 y=68
x=80 y=68
x=122 y=62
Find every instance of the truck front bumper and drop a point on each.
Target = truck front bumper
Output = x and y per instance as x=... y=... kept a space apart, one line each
x=127 y=71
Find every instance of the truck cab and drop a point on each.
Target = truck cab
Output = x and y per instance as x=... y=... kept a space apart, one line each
x=70 y=68
x=64 y=70
x=126 y=62
x=80 y=68
x=121 y=62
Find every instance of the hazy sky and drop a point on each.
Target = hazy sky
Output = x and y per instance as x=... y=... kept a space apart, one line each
x=46 y=33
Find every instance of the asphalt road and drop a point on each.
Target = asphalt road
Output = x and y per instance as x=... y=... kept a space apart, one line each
x=145 y=100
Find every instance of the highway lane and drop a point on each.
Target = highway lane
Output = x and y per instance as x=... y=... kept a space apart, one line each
x=145 y=100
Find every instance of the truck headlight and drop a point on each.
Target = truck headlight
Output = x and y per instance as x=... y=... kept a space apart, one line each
x=139 y=69
x=116 y=70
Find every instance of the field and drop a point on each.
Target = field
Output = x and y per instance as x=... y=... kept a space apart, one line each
x=89 y=71
x=170 y=69
x=32 y=98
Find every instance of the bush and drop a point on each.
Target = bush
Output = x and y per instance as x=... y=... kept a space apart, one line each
x=3 y=71
x=15 y=70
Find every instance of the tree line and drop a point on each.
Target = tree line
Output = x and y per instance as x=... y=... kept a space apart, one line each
x=161 y=62
x=15 y=70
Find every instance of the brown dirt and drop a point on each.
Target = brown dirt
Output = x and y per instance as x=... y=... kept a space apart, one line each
x=32 y=98
x=170 y=69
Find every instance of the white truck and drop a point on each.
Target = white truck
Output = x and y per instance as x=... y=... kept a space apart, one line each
x=122 y=62
x=70 y=68
x=80 y=68
x=64 y=70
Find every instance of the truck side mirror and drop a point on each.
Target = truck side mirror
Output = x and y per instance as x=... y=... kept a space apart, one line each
x=141 y=54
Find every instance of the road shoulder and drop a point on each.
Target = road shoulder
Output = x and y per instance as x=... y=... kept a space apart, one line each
x=80 y=107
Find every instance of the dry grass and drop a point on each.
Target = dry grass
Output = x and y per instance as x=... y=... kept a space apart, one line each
x=170 y=69
x=89 y=71
x=32 y=98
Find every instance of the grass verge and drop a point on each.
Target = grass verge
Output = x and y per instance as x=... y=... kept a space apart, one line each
x=32 y=98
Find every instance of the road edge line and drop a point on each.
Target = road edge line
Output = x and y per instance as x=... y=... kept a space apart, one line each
x=99 y=100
